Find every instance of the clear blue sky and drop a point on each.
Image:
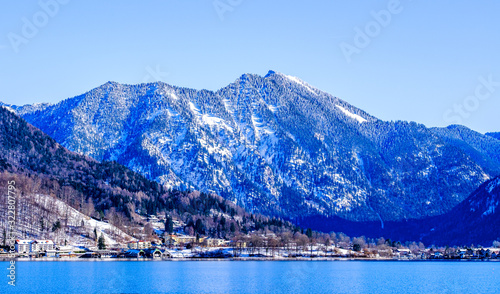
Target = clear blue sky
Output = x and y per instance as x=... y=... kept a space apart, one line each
x=420 y=64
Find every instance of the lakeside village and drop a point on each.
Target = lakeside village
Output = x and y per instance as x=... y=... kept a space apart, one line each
x=265 y=246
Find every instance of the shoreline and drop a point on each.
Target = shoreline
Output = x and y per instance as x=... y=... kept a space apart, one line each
x=242 y=259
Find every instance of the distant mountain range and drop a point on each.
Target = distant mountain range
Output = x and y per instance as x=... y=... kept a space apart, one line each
x=275 y=145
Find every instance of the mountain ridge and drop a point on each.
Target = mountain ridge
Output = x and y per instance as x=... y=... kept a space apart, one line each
x=273 y=144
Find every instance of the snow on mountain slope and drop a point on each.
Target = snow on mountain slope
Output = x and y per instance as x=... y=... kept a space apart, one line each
x=351 y=115
x=273 y=144
x=112 y=234
x=39 y=213
x=300 y=82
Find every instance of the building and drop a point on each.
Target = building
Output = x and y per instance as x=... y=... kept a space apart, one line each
x=100 y=254
x=41 y=245
x=146 y=253
x=23 y=246
x=213 y=242
x=33 y=246
x=180 y=240
x=154 y=253
x=184 y=240
x=141 y=244
x=239 y=244
x=51 y=253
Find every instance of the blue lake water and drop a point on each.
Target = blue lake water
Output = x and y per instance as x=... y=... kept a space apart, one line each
x=253 y=277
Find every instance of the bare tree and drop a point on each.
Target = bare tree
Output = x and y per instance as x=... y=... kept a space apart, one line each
x=148 y=231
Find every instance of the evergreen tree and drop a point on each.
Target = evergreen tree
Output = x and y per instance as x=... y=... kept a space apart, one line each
x=56 y=226
x=169 y=224
x=199 y=228
x=309 y=233
x=356 y=247
x=101 y=243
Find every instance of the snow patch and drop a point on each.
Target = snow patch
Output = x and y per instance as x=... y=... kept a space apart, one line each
x=493 y=185
x=351 y=115
x=172 y=112
x=173 y=95
x=9 y=109
x=491 y=209
x=230 y=108
x=272 y=108
x=194 y=109
x=211 y=120
x=298 y=81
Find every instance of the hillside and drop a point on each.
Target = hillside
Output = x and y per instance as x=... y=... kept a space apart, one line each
x=484 y=149
x=42 y=168
x=46 y=217
x=475 y=221
x=273 y=145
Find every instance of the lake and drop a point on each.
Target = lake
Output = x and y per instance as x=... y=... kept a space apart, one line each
x=253 y=277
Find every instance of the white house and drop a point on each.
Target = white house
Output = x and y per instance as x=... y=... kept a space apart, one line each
x=23 y=246
x=28 y=246
x=41 y=245
x=213 y=242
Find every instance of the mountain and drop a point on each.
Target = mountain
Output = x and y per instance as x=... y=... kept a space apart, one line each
x=274 y=145
x=484 y=149
x=494 y=135
x=53 y=183
x=474 y=221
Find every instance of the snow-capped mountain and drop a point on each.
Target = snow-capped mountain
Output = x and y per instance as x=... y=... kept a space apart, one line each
x=272 y=144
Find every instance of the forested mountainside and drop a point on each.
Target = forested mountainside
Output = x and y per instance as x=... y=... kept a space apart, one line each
x=275 y=145
x=484 y=149
x=475 y=221
x=494 y=135
x=40 y=166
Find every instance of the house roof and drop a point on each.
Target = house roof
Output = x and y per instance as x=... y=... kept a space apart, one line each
x=152 y=250
x=43 y=241
x=133 y=251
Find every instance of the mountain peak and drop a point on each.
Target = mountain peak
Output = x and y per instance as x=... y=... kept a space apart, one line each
x=270 y=73
x=247 y=76
x=109 y=85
